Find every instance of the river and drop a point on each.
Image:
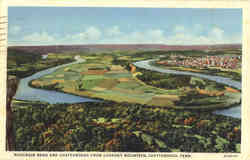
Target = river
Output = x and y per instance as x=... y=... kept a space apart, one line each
x=232 y=112
x=25 y=92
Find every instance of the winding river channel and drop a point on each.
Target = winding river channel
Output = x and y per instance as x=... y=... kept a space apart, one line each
x=25 y=92
x=232 y=112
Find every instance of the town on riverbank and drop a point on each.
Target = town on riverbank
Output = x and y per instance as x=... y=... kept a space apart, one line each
x=222 y=61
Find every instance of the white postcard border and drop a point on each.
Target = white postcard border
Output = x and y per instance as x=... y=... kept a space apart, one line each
x=245 y=145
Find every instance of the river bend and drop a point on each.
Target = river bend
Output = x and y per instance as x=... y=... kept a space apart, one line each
x=232 y=112
x=25 y=92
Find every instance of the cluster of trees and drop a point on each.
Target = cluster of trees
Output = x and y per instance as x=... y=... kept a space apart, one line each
x=163 y=80
x=110 y=126
x=53 y=86
x=22 y=64
x=123 y=63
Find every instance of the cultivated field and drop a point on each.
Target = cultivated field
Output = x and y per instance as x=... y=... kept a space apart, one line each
x=112 y=76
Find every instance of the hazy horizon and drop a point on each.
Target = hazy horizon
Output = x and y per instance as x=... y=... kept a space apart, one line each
x=123 y=44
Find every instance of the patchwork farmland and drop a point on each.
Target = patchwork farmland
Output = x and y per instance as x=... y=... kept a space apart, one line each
x=100 y=77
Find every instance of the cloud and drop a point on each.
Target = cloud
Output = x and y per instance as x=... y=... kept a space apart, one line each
x=217 y=33
x=42 y=37
x=148 y=36
x=113 y=31
x=155 y=34
x=198 y=28
x=152 y=36
x=187 y=39
x=114 y=35
x=91 y=34
x=14 y=30
x=179 y=29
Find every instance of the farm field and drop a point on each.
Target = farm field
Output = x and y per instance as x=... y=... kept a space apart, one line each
x=112 y=76
x=99 y=78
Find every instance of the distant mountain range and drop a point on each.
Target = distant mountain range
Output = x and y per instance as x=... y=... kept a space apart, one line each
x=112 y=47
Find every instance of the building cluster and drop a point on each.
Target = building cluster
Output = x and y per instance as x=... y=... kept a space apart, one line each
x=45 y=56
x=230 y=62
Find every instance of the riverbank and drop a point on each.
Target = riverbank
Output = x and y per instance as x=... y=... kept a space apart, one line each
x=24 y=92
x=22 y=64
x=197 y=93
x=232 y=74
x=236 y=109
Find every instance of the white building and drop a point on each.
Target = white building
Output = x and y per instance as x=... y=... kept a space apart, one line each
x=77 y=57
x=45 y=56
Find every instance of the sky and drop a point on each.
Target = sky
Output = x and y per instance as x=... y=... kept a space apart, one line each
x=103 y=25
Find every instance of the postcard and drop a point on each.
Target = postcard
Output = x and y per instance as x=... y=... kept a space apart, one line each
x=139 y=80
